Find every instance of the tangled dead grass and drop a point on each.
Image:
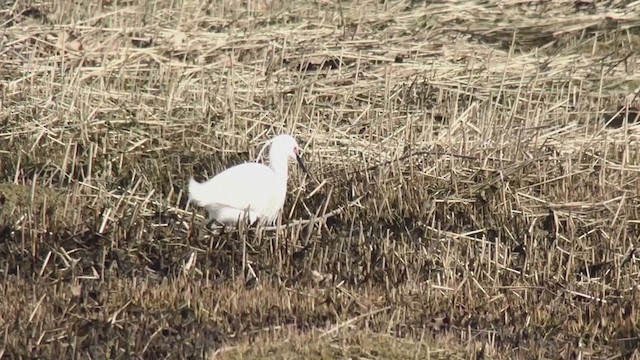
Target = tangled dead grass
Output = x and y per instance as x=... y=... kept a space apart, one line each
x=487 y=211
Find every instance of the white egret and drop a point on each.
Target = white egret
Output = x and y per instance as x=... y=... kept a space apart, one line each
x=252 y=189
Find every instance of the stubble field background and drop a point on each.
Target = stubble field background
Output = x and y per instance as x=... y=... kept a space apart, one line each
x=469 y=201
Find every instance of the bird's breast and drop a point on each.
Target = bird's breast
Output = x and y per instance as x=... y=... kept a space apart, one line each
x=274 y=205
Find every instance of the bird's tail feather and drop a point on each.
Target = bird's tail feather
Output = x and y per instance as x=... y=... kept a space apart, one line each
x=193 y=190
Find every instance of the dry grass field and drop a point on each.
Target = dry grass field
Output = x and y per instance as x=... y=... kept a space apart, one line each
x=466 y=197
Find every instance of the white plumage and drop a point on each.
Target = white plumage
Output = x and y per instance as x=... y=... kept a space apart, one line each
x=253 y=187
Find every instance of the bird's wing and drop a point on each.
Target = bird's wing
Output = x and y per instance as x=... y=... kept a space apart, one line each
x=238 y=186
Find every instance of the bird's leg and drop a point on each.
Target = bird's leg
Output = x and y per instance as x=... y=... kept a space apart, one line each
x=244 y=221
x=249 y=222
x=212 y=221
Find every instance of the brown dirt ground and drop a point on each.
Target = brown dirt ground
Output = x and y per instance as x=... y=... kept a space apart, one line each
x=487 y=209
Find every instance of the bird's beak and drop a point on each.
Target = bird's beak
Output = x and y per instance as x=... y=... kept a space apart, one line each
x=301 y=163
x=296 y=151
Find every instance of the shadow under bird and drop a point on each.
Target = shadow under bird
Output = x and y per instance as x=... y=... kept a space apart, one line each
x=252 y=189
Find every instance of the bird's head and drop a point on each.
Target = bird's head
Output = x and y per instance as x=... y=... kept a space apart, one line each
x=286 y=145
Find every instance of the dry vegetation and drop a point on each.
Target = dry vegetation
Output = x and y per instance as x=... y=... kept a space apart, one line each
x=487 y=211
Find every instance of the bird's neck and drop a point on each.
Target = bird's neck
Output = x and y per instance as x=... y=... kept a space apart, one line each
x=280 y=167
